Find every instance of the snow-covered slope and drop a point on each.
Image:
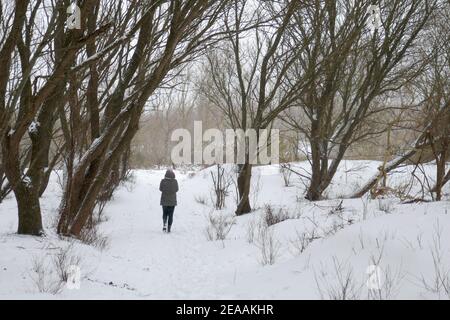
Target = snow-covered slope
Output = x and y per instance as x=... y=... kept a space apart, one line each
x=409 y=244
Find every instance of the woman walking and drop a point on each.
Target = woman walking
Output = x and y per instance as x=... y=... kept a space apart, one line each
x=169 y=189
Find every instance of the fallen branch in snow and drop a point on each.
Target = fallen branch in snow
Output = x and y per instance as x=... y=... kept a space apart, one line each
x=415 y=200
x=418 y=147
x=381 y=172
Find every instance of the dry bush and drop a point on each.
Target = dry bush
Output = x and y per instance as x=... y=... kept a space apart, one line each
x=389 y=283
x=43 y=276
x=63 y=260
x=269 y=246
x=191 y=175
x=271 y=217
x=128 y=180
x=302 y=240
x=221 y=185
x=91 y=236
x=386 y=281
x=439 y=283
x=51 y=276
x=340 y=284
x=219 y=225
x=201 y=199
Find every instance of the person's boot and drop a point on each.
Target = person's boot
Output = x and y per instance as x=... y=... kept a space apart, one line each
x=168 y=230
x=165 y=228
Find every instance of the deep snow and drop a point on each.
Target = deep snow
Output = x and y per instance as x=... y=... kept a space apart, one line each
x=144 y=263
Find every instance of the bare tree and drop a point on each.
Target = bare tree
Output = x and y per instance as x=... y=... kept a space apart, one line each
x=169 y=33
x=35 y=76
x=431 y=103
x=354 y=70
x=245 y=80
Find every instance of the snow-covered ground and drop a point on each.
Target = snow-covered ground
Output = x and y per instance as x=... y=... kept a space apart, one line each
x=324 y=249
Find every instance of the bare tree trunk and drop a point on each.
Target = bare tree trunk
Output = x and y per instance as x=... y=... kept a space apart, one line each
x=86 y=206
x=441 y=160
x=27 y=195
x=243 y=181
x=29 y=210
x=314 y=192
x=444 y=181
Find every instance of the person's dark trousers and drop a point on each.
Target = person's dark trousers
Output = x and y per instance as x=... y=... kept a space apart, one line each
x=168 y=215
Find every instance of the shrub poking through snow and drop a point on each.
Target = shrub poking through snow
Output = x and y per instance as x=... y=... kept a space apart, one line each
x=272 y=217
x=201 y=199
x=340 y=284
x=219 y=225
x=43 y=276
x=268 y=245
x=63 y=260
x=439 y=282
x=191 y=174
x=302 y=240
x=221 y=185
x=93 y=237
x=52 y=276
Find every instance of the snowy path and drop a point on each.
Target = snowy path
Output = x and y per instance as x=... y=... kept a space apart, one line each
x=152 y=262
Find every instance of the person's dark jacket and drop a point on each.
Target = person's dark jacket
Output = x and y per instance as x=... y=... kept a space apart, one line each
x=169 y=189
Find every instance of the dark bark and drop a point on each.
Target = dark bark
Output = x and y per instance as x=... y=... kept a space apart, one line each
x=314 y=191
x=445 y=180
x=5 y=60
x=441 y=161
x=87 y=206
x=243 y=181
x=29 y=210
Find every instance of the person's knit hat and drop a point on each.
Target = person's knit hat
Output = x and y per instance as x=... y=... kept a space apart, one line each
x=170 y=174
